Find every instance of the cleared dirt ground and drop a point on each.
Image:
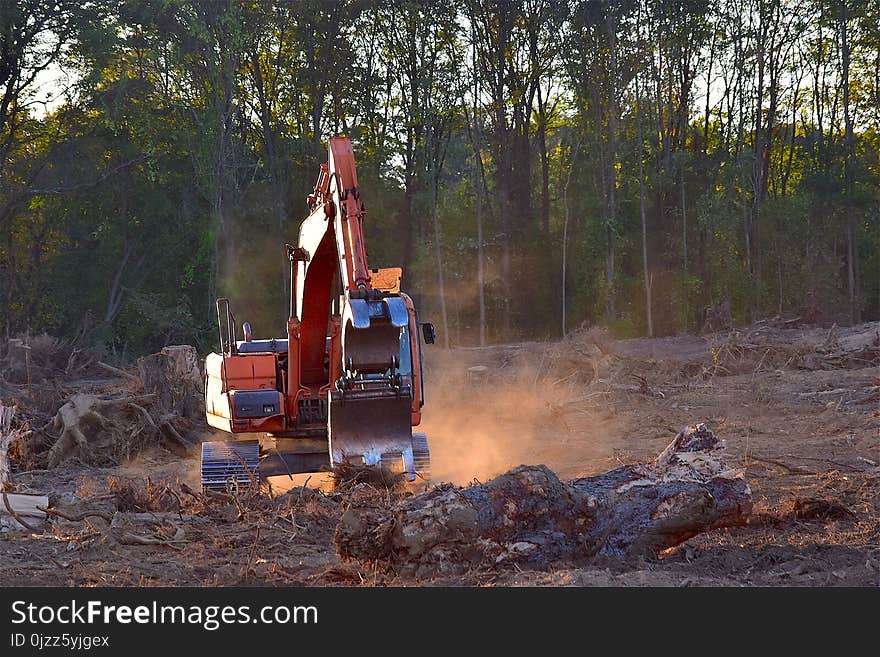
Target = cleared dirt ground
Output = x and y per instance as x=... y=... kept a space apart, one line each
x=799 y=409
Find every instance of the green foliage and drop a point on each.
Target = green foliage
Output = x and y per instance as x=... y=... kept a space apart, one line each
x=175 y=166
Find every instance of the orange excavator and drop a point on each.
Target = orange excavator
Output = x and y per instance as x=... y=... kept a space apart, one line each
x=345 y=386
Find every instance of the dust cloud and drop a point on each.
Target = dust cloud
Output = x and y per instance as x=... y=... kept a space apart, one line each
x=487 y=412
x=491 y=409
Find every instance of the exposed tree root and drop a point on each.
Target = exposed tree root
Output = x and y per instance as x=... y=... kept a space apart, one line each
x=99 y=430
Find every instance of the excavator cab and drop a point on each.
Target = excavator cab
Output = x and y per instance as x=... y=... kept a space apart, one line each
x=345 y=385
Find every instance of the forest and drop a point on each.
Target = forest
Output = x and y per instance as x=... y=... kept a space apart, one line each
x=655 y=167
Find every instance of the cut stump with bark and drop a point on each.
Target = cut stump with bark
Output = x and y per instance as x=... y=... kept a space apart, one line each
x=174 y=376
x=530 y=515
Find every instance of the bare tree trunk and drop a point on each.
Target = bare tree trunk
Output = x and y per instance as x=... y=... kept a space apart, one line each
x=7 y=413
x=565 y=230
x=684 y=245
x=707 y=113
x=851 y=249
x=779 y=278
x=114 y=298
x=646 y=274
x=481 y=288
x=610 y=265
x=758 y=155
x=545 y=162
x=440 y=278
x=506 y=227
x=740 y=151
x=478 y=188
x=792 y=131
x=438 y=254
x=684 y=223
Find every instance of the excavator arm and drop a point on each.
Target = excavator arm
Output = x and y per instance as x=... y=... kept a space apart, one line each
x=370 y=387
x=336 y=208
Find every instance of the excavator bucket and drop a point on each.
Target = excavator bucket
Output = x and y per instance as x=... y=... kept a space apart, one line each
x=373 y=429
x=369 y=419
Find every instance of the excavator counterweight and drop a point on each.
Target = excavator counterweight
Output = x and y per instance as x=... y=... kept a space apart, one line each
x=345 y=385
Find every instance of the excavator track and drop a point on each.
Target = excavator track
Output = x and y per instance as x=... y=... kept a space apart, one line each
x=230 y=465
x=421 y=456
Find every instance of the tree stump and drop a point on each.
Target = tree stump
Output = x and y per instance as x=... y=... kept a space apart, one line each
x=174 y=376
x=529 y=515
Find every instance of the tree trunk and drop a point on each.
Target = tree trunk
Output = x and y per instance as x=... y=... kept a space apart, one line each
x=610 y=265
x=114 y=298
x=545 y=163
x=481 y=287
x=684 y=245
x=478 y=188
x=438 y=252
x=684 y=222
x=851 y=249
x=529 y=515
x=565 y=231
x=646 y=274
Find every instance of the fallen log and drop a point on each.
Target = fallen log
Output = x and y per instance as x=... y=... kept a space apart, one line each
x=529 y=515
x=126 y=528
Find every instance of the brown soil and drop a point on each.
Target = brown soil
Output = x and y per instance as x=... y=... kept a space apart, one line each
x=799 y=409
